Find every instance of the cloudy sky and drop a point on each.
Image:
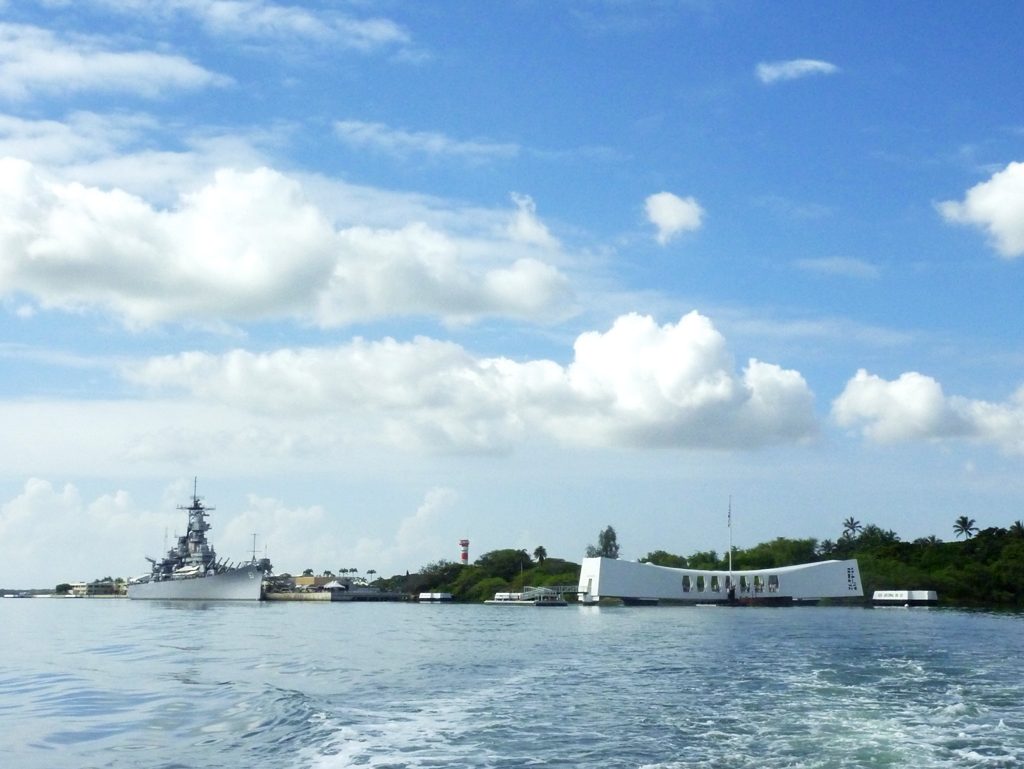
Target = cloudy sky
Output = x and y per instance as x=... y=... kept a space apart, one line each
x=389 y=274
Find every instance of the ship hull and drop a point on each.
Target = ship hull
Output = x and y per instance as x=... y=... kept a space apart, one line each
x=242 y=584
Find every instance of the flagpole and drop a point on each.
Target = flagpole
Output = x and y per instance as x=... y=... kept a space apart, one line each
x=730 y=540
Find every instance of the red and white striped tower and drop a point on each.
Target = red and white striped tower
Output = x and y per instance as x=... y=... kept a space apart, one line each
x=464 y=552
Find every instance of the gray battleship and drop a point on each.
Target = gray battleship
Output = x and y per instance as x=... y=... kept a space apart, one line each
x=190 y=570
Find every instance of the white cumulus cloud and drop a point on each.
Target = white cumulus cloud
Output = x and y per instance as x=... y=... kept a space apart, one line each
x=250 y=246
x=45 y=519
x=996 y=206
x=914 y=407
x=793 y=69
x=283 y=534
x=637 y=384
x=676 y=385
x=526 y=226
x=673 y=215
x=417 y=530
x=419 y=537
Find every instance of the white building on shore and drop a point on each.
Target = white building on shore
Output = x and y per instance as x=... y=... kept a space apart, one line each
x=646 y=583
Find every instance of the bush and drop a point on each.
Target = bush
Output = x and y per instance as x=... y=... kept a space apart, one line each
x=485 y=589
x=506 y=564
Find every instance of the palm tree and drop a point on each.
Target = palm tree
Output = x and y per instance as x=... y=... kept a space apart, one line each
x=826 y=548
x=851 y=527
x=370 y=573
x=1017 y=528
x=607 y=545
x=540 y=553
x=965 y=527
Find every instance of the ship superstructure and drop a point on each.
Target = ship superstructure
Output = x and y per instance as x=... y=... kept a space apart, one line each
x=191 y=570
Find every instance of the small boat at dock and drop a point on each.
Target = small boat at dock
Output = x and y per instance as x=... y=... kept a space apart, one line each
x=905 y=598
x=530 y=596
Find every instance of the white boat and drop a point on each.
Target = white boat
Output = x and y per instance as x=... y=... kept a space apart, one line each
x=647 y=584
x=530 y=596
x=905 y=598
x=434 y=597
x=190 y=570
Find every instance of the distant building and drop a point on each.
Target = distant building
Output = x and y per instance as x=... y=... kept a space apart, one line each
x=312 y=582
x=278 y=583
x=97 y=587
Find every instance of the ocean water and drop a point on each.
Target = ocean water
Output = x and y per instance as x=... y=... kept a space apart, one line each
x=117 y=683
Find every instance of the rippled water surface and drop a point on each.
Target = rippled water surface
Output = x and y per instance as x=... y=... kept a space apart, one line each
x=117 y=683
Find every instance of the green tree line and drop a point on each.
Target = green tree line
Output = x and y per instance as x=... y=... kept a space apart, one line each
x=506 y=570
x=982 y=567
x=985 y=568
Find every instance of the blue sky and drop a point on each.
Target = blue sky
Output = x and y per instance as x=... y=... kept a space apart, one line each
x=385 y=275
